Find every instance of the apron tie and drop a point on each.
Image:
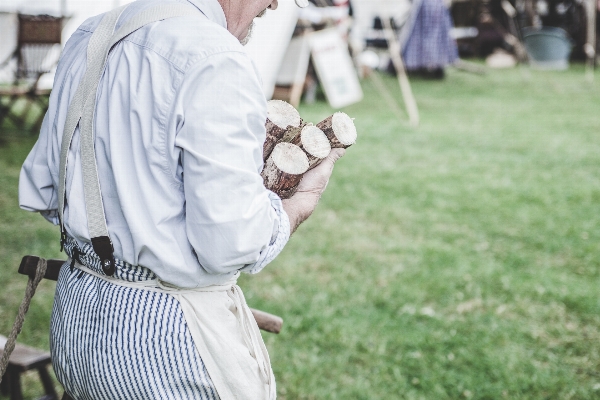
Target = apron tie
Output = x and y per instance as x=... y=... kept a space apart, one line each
x=251 y=333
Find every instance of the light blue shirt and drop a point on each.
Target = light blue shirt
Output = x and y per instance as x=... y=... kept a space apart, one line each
x=179 y=134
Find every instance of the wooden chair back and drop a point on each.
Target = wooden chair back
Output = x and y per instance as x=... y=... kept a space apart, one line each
x=38 y=45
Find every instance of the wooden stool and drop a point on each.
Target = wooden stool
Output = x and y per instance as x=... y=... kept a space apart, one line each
x=25 y=358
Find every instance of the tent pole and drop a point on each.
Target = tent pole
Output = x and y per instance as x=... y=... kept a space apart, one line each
x=63 y=8
x=590 y=46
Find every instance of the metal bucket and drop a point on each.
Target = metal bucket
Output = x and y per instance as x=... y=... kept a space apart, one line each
x=547 y=47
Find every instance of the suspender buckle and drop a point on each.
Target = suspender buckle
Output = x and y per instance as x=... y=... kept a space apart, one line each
x=75 y=258
x=63 y=234
x=63 y=239
x=104 y=249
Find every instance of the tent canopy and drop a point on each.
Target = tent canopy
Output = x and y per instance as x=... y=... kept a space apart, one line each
x=267 y=47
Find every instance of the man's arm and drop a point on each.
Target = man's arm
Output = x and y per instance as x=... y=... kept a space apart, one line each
x=232 y=220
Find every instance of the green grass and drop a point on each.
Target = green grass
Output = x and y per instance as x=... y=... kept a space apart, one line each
x=22 y=233
x=456 y=260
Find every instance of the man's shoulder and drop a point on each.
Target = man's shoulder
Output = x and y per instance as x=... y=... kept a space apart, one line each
x=184 y=40
x=181 y=40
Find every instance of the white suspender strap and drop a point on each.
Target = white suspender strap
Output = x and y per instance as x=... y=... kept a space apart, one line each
x=97 y=55
x=99 y=39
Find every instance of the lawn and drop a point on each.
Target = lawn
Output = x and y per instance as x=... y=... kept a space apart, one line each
x=457 y=260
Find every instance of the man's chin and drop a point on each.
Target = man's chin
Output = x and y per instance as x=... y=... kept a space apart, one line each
x=248 y=36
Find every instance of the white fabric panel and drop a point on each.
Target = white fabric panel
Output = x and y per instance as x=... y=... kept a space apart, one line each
x=270 y=39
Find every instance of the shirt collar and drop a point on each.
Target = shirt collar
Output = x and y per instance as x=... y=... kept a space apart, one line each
x=212 y=9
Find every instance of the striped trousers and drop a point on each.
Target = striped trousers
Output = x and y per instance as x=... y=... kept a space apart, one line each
x=114 y=342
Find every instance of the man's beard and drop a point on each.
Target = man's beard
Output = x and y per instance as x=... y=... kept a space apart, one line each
x=248 y=36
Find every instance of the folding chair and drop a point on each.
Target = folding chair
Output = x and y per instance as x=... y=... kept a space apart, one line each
x=37 y=52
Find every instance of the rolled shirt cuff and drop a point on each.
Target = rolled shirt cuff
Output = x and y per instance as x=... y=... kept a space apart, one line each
x=279 y=238
x=51 y=216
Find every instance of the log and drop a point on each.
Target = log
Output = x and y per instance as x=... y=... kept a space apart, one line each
x=267 y=322
x=280 y=117
x=292 y=133
x=284 y=169
x=315 y=144
x=339 y=129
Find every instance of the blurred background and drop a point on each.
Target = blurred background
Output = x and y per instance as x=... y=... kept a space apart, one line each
x=455 y=253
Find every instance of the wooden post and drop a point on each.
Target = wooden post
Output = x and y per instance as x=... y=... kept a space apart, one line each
x=387 y=96
x=532 y=18
x=407 y=94
x=590 y=46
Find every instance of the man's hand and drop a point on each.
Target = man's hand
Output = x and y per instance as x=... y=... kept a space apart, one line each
x=301 y=205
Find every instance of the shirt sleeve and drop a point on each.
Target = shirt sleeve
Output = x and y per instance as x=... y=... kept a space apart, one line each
x=36 y=188
x=233 y=222
x=279 y=239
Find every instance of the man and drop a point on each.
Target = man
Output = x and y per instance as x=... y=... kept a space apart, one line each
x=177 y=125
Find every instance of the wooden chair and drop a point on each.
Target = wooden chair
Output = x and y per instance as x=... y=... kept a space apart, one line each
x=22 y=359
x=37 y=52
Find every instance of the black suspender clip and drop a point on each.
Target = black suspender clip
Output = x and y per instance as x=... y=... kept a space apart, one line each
x=75 y=258
x=63 y=234
x=104 y=249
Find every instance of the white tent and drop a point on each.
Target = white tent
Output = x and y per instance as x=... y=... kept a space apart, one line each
x=366 y=10
x=270 y=40
x=267 y=47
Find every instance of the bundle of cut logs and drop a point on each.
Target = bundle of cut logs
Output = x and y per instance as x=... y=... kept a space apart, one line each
x=294 y=146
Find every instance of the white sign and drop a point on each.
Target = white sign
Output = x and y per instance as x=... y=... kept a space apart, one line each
x=335 y=68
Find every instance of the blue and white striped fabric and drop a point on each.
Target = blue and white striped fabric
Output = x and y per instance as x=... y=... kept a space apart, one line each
x=114 y=342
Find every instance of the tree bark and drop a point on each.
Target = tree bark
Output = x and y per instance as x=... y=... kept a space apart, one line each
x=284 y=168
x=339 y=129
x=280 y=117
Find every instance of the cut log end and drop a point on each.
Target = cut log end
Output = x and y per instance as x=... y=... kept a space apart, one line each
x=282 y=114
x=289 y=158
x=284 y=168
x=340 y=130
x=315 y=142
x=344 y=128
x=281 y=117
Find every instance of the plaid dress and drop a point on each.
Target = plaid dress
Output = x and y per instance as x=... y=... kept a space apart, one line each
x=428 y=43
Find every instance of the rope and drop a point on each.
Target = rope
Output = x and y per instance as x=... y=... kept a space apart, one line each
x=16 y=329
